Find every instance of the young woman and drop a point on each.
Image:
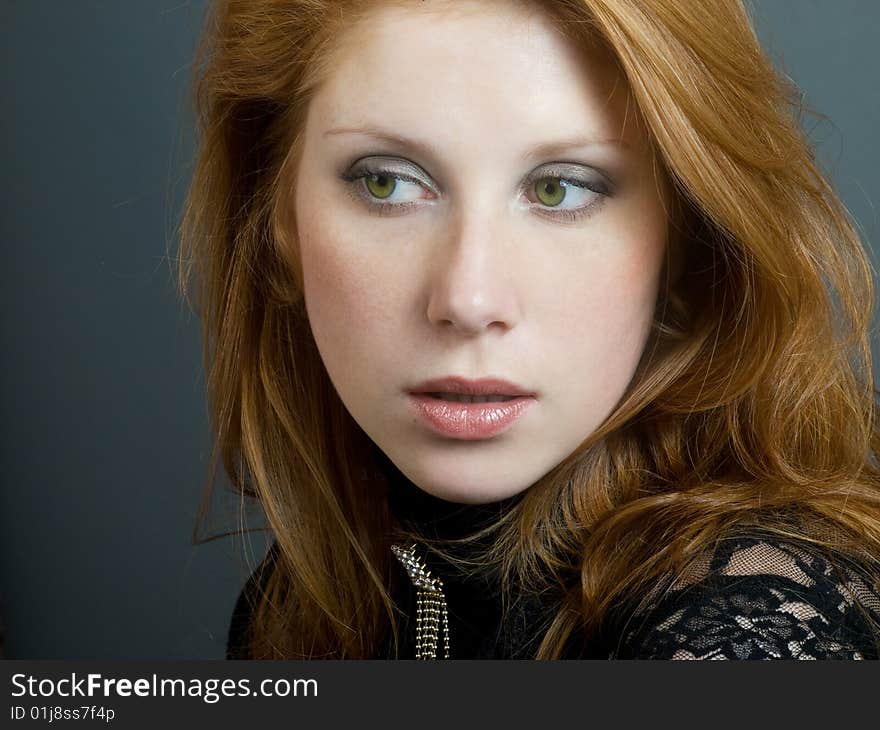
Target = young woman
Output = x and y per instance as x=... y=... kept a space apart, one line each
x=535 y=332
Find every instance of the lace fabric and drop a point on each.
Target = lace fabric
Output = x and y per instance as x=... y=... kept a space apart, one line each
x=759 y=598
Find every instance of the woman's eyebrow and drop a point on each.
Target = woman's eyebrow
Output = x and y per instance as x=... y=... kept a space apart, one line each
x=539 y=150
x=545 y=149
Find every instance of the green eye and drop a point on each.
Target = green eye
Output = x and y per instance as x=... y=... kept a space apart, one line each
x=380 y=185
x=550 y=190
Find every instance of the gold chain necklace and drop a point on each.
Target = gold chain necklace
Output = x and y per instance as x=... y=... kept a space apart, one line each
x=431 y=607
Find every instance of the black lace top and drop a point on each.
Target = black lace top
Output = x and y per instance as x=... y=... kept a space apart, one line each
x=755 y=598
x=760 y=598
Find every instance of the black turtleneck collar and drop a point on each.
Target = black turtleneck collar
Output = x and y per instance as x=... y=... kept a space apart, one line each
x=477 y=627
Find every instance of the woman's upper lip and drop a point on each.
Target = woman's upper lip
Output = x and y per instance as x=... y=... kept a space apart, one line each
x=465 y=386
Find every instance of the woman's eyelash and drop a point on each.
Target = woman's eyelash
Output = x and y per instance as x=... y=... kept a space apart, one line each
x=571 y=214
x=357 y=187
x=355 y=180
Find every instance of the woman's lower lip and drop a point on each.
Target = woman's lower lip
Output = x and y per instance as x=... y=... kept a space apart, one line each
x=469 y=421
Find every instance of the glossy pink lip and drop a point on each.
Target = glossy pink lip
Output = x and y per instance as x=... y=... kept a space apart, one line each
x=469 y=421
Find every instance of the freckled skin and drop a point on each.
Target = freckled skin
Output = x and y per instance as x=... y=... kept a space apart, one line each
x=476 y=281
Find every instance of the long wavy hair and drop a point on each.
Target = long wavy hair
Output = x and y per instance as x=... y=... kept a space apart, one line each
x=752 y=408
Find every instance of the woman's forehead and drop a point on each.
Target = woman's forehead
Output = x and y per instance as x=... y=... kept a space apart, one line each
x=473 y=73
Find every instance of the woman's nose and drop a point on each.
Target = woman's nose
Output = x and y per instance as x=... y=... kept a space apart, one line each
x=471 y=282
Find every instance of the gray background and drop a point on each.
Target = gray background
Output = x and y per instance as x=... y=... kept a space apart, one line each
x=104 y=426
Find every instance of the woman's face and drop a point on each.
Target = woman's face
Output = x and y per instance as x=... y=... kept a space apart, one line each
x=474 y=200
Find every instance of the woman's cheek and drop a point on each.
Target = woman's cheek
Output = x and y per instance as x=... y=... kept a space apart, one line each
x=343 y=298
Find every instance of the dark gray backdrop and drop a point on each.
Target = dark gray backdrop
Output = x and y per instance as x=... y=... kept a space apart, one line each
x=104 y=427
